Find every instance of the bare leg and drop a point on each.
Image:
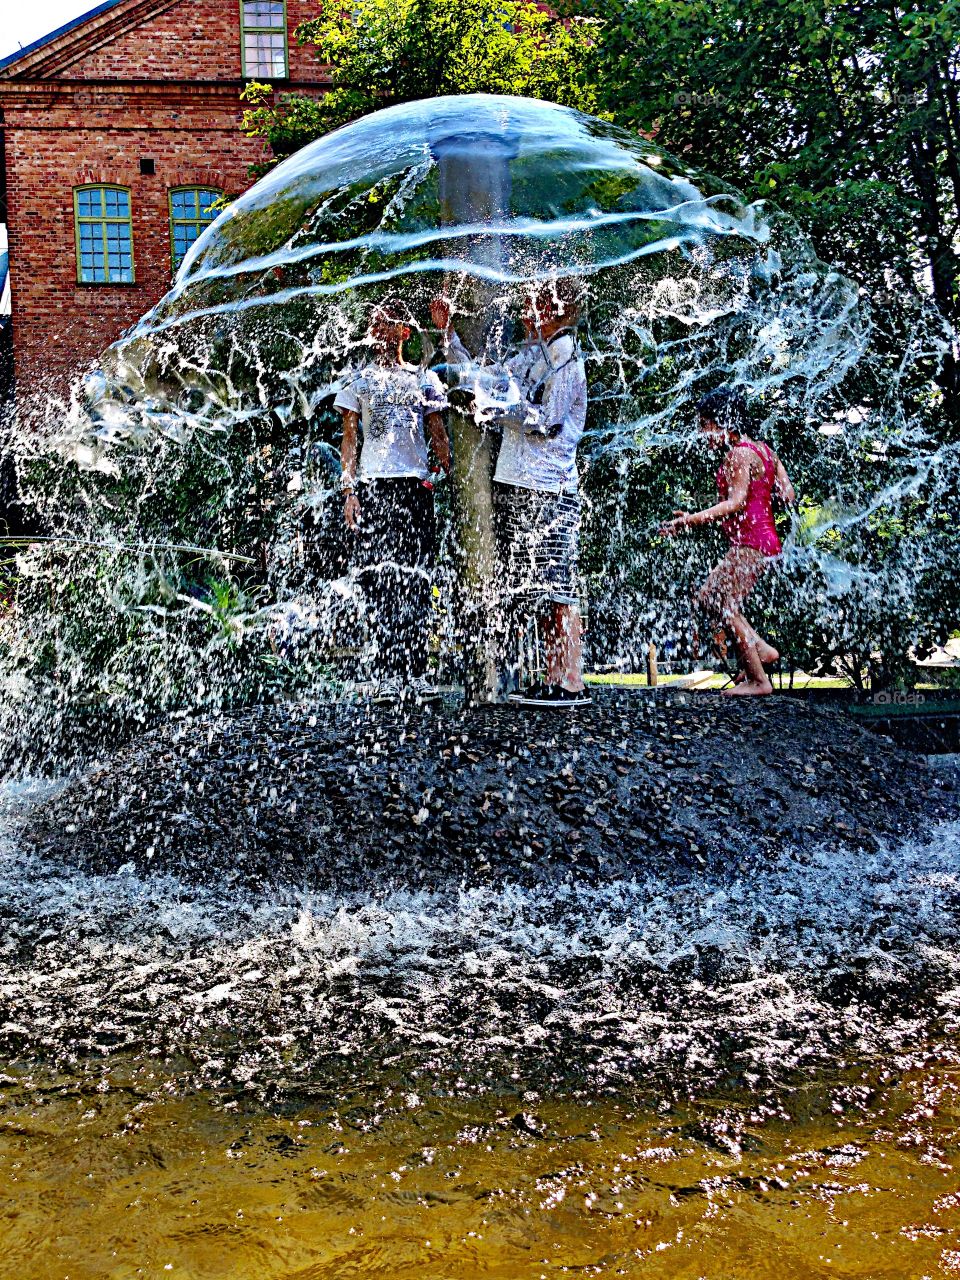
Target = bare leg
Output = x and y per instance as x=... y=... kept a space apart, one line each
x=766 y=653
x=563 y=641
x=721 y=597
x=757 y=682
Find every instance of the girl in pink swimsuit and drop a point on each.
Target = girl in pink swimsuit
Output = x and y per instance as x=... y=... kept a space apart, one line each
x=752 y=525
x=746 y=483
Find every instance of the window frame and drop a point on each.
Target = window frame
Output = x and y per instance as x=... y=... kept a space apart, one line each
x=246 y=29
x=104 y=220
x=171 y=192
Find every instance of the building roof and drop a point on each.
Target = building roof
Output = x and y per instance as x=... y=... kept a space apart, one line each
x=60 y=31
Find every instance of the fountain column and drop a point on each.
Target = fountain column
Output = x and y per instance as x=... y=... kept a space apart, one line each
x=474 y=169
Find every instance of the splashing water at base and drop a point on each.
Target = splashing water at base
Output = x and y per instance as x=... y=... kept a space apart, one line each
x=733 y=978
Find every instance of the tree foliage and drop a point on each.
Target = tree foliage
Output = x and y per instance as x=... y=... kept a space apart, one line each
x=382 y=52
x=845 y=113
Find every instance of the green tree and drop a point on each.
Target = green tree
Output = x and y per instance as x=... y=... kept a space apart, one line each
x=382 y=52
x=845 y=113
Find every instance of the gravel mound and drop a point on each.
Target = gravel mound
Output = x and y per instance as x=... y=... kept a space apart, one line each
x=336 y=795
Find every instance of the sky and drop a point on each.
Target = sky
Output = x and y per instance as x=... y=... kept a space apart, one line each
x=22 y=23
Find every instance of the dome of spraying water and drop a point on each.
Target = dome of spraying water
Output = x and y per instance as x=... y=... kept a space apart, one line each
x=399 y=192
x=206 y=434
x=496 y=190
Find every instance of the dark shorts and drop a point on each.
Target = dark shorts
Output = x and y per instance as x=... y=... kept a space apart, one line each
x=394 y=553
x=537 y=538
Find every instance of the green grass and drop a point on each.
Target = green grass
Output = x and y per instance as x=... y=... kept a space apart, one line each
x=716 y=681
x=629 y=679
x=801 y=680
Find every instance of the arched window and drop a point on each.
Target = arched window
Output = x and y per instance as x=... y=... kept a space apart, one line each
x=104 y=232
x=190 y=214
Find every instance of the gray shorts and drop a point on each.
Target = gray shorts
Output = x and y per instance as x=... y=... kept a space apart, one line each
x=537 y=538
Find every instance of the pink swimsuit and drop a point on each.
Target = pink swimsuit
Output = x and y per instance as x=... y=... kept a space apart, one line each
x=752 y=525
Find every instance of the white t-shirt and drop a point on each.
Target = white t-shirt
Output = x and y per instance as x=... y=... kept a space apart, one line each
x=552 y=379
x=392 y=401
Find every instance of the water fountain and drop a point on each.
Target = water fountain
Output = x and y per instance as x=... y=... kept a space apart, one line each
x=401 y=933
x=183 y=447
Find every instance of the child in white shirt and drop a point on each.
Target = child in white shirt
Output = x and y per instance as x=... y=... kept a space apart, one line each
x=388 y=497
x=536 y=487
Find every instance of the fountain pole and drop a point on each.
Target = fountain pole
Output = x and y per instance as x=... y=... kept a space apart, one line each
x=475 y=189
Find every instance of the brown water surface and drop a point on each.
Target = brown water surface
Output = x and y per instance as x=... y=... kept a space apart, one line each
x=851 y=1176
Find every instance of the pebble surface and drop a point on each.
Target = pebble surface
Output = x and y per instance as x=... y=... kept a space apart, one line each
x=333 y=794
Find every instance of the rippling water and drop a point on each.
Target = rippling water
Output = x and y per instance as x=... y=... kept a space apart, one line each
x=851 y=1175
x=483 y=1081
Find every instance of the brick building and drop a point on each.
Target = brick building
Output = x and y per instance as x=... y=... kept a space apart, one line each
x=117 y=132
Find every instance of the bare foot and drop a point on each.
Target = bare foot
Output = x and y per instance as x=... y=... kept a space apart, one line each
x=749 y=689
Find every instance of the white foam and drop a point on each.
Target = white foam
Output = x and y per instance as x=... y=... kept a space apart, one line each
x=741 y=964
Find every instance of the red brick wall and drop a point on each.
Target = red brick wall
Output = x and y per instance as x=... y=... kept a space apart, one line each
x=58 y=323
x=193 y=40
x=150 y=93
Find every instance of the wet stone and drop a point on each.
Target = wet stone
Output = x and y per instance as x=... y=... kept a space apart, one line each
x=324 y=795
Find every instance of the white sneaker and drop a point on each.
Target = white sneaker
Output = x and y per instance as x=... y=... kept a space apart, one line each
x=390 y=690
x=422 y=690
x=360 y=688
x=550 y=695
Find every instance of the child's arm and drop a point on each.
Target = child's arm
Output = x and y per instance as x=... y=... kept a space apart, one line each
x=737 y=469
x=440 y=440
x=563 y=389
x=783 y=486
x=442 y=317
x=348 y=463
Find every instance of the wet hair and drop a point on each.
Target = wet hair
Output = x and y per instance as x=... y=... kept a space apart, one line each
x=725 y=406
x=392 y=310
x=563 y=297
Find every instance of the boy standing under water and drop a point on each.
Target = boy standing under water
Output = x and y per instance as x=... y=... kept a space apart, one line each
x=388 y=497
x=750 y=475
x=536 y=499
